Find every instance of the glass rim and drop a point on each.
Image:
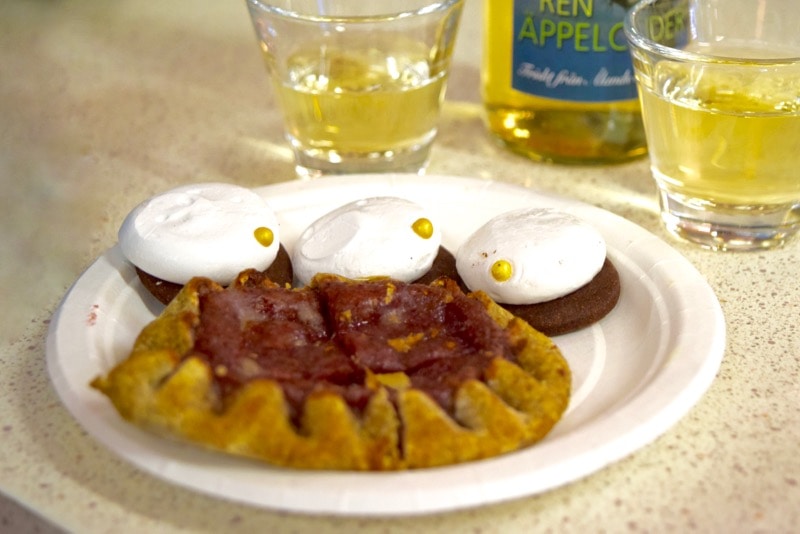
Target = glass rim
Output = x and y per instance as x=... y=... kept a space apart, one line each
x=642 y=42
x=428 y=8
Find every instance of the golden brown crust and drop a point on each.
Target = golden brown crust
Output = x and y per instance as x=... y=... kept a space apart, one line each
x=165 y=389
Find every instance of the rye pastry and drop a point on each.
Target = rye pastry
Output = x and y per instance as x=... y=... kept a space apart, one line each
x=372 y=374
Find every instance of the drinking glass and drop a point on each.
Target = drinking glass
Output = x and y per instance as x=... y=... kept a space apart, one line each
x=360 y=83
x=719 y=84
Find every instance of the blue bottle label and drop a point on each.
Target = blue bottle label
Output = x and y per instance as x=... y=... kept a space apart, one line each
x=572 y=50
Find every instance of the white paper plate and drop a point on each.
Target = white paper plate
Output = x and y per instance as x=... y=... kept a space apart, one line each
x=635 y=373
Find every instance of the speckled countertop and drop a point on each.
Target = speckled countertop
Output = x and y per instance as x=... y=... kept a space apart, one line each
x=105 y=103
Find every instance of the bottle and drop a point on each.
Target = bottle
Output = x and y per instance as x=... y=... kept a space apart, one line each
x=557 y=80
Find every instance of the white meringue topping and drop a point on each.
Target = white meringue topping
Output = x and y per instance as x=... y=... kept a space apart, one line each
x=214 y=230
x=379 y=236
x=531 y=255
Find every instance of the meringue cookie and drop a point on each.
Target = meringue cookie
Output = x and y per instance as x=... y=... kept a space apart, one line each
x=214 y=230
x=531 y=255
x=379 y=236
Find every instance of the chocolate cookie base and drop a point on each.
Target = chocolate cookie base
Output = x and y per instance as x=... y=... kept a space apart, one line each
x=443 y=265
x=579 y=309
x=279 y=272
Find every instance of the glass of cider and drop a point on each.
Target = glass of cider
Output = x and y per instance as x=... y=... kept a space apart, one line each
x=360 y=83
x=719 y=85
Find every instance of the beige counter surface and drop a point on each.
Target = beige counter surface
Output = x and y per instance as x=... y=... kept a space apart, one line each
x=103 y=104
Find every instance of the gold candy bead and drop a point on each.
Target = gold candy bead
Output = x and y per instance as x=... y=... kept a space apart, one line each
x=502 y=270
x=264 y=235
x=423 y=228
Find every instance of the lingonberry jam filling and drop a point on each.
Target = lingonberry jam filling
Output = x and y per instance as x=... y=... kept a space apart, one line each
x=330 y=336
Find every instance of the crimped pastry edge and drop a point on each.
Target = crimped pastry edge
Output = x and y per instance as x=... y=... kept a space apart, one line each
x=160 y=389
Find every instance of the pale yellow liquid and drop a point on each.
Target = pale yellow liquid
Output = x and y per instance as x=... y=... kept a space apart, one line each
x=725 y=135
x=547 y=129
x=359 y=102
